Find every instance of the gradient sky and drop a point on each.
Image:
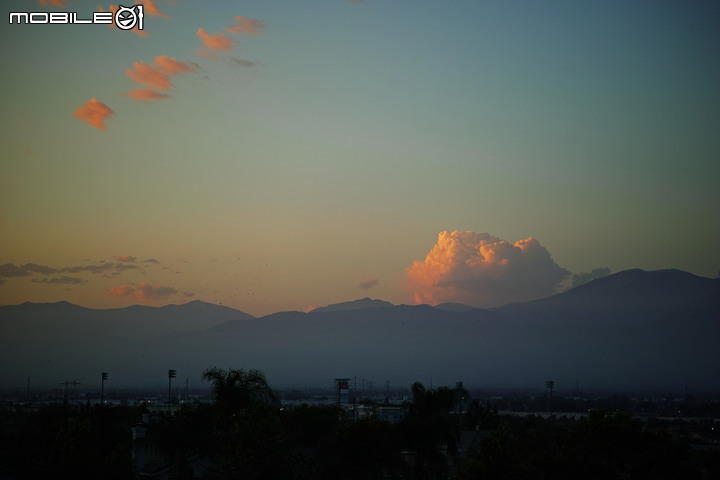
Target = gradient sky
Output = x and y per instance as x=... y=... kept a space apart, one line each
x=321 y=153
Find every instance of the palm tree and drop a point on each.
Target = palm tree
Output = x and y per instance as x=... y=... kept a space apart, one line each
x=429 y=429
x=237 y=389
x=248 y=428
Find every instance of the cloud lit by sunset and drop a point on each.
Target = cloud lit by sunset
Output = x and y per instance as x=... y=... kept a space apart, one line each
x=481 y=270
x=94 y=113
x=204 y=53
x=145 y=94
x=170 y=66
x=151 y=8
x=242 y=25
x=144 y=291
x=148 y=75
x=271 y=158
x=217 y=41
x=156 y=76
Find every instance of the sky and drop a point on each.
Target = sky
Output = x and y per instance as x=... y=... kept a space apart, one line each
x=279 y=155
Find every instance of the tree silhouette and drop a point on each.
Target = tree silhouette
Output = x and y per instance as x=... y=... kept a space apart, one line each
x=237 y=389
x=429 y=429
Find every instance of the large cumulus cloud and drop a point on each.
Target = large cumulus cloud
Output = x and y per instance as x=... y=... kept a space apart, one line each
x=481 y=270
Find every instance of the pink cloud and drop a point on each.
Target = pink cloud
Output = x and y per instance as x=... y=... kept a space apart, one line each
x=206 y=54
x=122 y=291
x=143 y=292
x=481 y=270
x=156 y=76
x=151 y=8
x=145 y=95
x=170 y=66
x=126 y=258
x=56 y=3
x=218 y=41
x=244 y=25
x=94 y=113
x=148 y=75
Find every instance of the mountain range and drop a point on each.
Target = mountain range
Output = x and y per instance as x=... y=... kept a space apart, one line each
x=631 y=330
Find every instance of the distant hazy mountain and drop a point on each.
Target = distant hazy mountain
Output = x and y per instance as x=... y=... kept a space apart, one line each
x=630 y=295
x=55 y=341
x=354 y=305
x=66 y=320
x=454 y=307
x=633 y=329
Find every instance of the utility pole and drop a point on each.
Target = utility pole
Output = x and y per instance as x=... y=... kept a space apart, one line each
x=74 y=383
x=550 y=384
x=65 y=397
x=104 y=376
x=171 y=374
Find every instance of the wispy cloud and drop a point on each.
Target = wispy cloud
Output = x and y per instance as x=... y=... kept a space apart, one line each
x=244 y=26
x=204 y=53
x=55 y=3
x=35 y=268
x=124 y=263
x=217 y=41
x=99 y=268
x=479 y=269
x=145 y=95
x=221 y=42
x=149 y=76
x=369 y=283
x=239 y=62
x=143 y=292
x=170 y=66
x=59 y=280
x=151 y=8
x=94 y=113
x=9 y=270
x=157 y=76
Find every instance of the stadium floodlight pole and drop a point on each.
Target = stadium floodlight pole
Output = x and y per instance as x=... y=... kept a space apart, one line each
x=104 y=376
x=171 y=374
x=550 y=384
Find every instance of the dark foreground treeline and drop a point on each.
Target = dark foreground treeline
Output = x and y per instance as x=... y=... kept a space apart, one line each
x=245 y=435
